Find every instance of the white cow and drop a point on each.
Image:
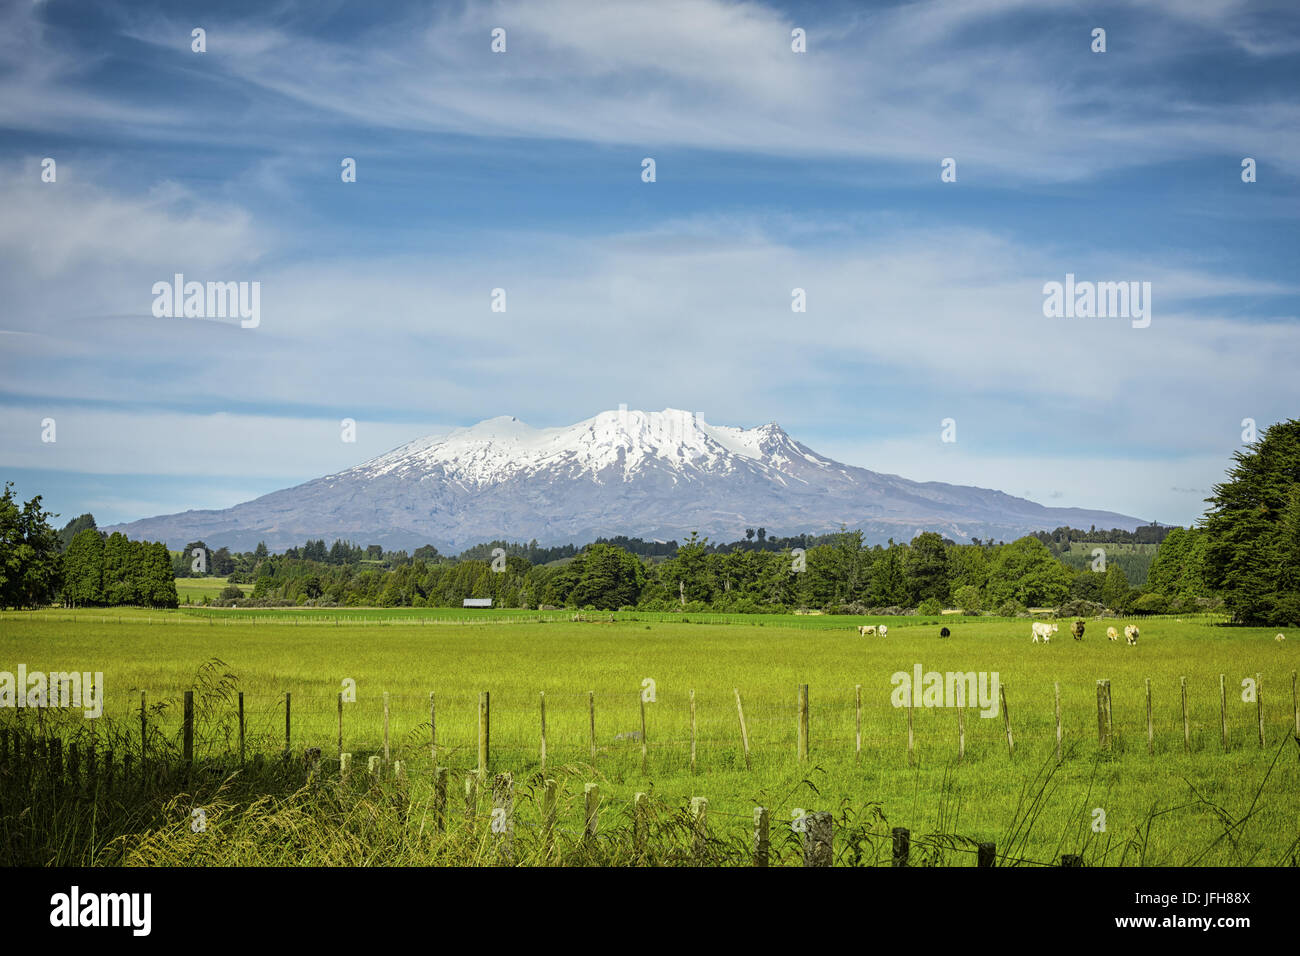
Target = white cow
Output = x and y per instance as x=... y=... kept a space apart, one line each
x=1043 y=630
x=883 y=630
x=867 y=630
x=1131 y=634
x=1112 y=634
x=1280 y=638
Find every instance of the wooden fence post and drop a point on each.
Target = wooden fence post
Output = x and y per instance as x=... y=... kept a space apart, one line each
x=1223 y=711
x=591 y=806
x=645 y=744
x=187 y=739
x=1103 y=714
x=440 y=780
x=241 y=728
x=484 y=731
x=857 y=733
x=762 y=844
x=803 y=723
x=1187 y=727
x=503 y=815
x=387 y=751
x=1295 y=706
x=1006 y=719
x=144 y=737
x=591 y=715
x=1057 y=686
x=543 y=705
x=910 y=736
x=433 y=730
x=288 y=745
x=471 y=798
x=550 y=798
x=54 y=753
x=1151 y=733
x=639 y=821
x=902 y=846
x=1259 y=706
x=988 y=855
x=74 y=766
x=961 y=721
x=818 y=839
x=744 y=733
x=340 y=708
x=699 y=828
x=692 y=730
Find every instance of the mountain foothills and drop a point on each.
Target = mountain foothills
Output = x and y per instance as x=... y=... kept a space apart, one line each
x=1244 y=556
x=653 y=474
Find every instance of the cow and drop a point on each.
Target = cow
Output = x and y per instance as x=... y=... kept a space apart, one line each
x=1043 y=630
x=1112 y=634
x=1077 y=630
x=867 y=630
x=944 y=632
x=1280 y=638
x=882 y=630
x=1131 y=634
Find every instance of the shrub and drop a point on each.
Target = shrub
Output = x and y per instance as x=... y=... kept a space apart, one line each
x=1079 y=608
x=1151 y=604
x=1012 y=608
x=968 y=599
x=930 y=606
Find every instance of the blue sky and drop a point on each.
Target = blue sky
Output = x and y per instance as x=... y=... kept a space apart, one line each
x=522 y=170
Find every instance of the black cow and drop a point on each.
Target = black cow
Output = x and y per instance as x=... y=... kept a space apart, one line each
x=944 y=632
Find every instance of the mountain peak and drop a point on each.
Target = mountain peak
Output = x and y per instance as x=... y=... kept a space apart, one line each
x=658 y=474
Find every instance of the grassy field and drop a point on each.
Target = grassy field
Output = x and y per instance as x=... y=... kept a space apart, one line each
x=1169 y=807
x=196 y=589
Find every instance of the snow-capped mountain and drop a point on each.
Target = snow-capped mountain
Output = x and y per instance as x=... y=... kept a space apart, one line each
x=644 y=474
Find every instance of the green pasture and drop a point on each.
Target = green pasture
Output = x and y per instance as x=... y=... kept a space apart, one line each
x=1171 y=806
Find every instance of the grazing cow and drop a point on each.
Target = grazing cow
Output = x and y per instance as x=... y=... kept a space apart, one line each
x=1044 y=630
x=882 y=630
x=1112 y=634
x=867 y=630
x=1131 y=634
x=1077 y=630
x=944 y=632
x=1280 y=638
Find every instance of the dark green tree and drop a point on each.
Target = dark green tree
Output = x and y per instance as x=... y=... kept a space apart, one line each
x=83 y=569
x=1252 y=555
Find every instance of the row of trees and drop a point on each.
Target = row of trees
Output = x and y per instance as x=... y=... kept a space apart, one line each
x=78 y=566
x=840 y=574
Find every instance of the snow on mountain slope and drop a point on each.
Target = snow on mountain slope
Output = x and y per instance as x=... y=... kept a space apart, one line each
x=650 y=474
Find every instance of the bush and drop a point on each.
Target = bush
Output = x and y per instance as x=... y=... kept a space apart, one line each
x=1012 y=608
x=968 y=599
x=1079 y=608
x=930 y=606
x=230 y=593
x=856 y=608
x=1151 y=604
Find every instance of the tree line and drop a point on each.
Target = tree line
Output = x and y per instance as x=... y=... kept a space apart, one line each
x=79 y=566
x=1244 y=555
